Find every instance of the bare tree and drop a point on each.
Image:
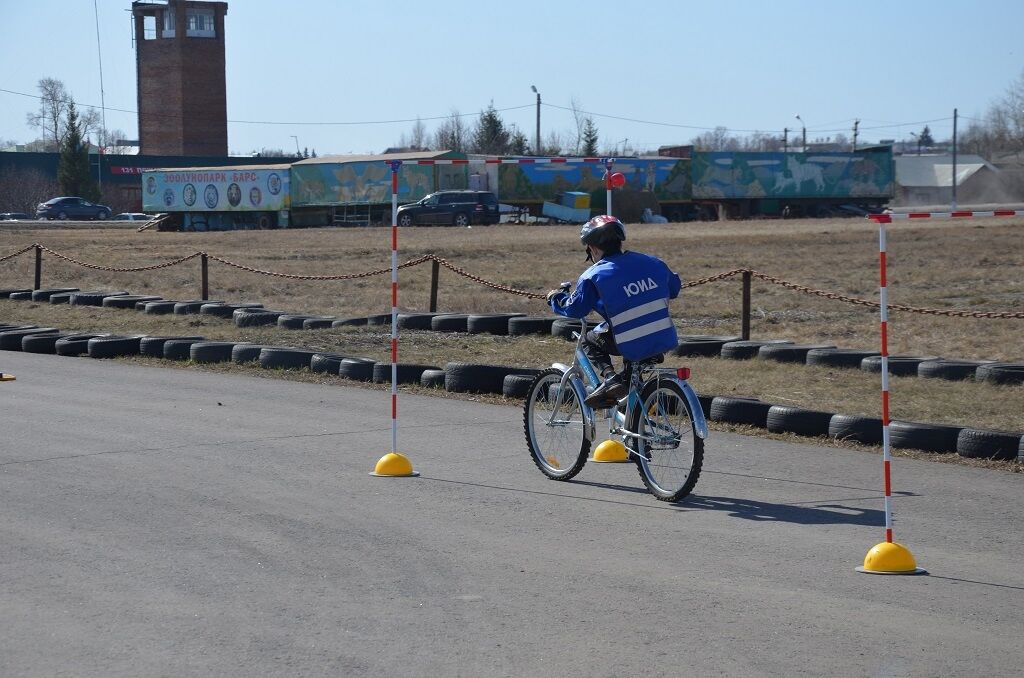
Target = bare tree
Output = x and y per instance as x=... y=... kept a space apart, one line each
x=451 y=134
x=22 y=190
x=91 y=122
x=579 y=119
x=113 y=137
x=418 y=136
x=53 y=105
x=717 y=139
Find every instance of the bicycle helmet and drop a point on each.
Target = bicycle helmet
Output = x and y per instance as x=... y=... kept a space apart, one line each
x=604 y=232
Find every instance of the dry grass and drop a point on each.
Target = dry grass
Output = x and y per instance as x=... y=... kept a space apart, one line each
x=965 y=265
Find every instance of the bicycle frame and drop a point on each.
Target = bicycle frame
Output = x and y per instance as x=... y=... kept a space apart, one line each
x=581 y=368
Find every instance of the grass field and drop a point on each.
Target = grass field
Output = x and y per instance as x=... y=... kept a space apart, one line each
x=968 y=265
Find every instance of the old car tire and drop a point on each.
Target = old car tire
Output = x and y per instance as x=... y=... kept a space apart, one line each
x=246 y=353
x=564 y=327
x=221 y=310
x=699 y=346
x=180 y=349
x=921 y=436
x=191 y=306
x=432 y=378
x=950 y=370
x=803 y=422
x=1001 y=373
x=211 y=351
x=44 y=295
x=474 y=378
x=357 y=369
x=745 y=350
x=750 y=411
x=899 y=365
x=74 y=344
x=319 y=322
x=255 y=317
x=530 y=324
x=128 y=300
x=866 y=430
x=787 y=353
x=449 y=322
x=154 y=346
x=517 y=385
x=838 y=357
x=286 y=358
x=405 y=373
x=326 y=363
x=10 y=340
x=40 y=343
x=975 y=443
x=113 y=347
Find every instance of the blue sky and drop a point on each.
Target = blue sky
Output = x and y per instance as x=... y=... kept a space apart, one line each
x=686 y=65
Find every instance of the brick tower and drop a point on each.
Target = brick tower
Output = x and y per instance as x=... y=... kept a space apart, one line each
x=179 y=57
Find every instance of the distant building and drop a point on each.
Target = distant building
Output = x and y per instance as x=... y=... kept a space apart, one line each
x=182 y=95
x=928 y=180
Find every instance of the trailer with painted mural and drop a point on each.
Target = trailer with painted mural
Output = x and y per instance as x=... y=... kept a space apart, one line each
x=220 y=198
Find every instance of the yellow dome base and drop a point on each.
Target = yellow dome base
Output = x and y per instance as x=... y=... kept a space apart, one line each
x=890 y=558
x=394 y=465
x=610 y=452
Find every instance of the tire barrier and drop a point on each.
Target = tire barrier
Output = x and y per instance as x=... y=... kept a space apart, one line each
x=292 y=321
x=61 y=297
x=10 y=340
x=701 y=346
x=128 y=300
x=180 y=349
x=255 y=317
x=517 y=385
x=490 y=323
x=379 y=319
x=1001 y=373
x=803 y=422
x=20 y=296
x=788 y=353
x=349 y=322
x=222 y=310
x=92 y=298
x=319 y=322
x=838 y=357
x=937 y=438
x=745 y=350
x=6 y=293
x=211 y=351
x=113 y=346
x=285 y=358
x=153 y=347
x=899 y=365
x=974 y=443
x=449 y=322
x=415 y=321
x=432 y=378
x=405 y=373
x=564 y=327
x=40 y=343
x=44 y=295
x=158 y=307
x=530 y=324
x=474 y=378
x=866 y=430
x=357 y=369
x=950 y=370
x=326 y=363
x=749 y=411
x=74 y=344
x=247 y=353
x=191 y=306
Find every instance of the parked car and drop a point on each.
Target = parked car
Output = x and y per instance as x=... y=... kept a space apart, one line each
x=12 y=216
x=459 y=208
x=132 y=216
x=71 y=208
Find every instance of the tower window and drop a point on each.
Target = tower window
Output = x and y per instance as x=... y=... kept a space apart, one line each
x=168 y=24
x=200 y=23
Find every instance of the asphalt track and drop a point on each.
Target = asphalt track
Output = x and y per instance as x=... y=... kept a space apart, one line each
x=187 y=523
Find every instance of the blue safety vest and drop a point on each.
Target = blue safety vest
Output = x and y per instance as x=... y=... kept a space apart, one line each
x=631 y=292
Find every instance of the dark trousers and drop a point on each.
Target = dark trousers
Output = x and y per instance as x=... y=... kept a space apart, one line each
x=599 y=347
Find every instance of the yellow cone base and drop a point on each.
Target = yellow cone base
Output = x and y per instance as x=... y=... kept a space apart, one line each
x=6 y=377
x=890 y=558
x=610 y=452
x=394 y=465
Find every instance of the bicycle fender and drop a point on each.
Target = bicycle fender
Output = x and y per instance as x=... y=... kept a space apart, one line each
x=590 y=423
x=700 y=424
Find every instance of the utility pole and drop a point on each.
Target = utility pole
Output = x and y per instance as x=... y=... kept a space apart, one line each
x=856 y=124
x=785 y=140
x=536 y=148
x=954 y=159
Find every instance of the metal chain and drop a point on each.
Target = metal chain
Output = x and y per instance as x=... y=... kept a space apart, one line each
x=18 y=253
x=165 y=264
x=293 y=276
x=488 y=283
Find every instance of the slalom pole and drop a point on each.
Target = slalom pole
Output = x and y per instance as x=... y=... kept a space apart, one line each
x=887 y=557
x=608 y=184
x=394 y=464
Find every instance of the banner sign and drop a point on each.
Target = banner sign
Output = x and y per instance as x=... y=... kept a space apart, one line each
x=222 y=189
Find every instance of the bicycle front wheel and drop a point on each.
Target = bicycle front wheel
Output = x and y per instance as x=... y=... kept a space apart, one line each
x=554 y=426
x=669 y=454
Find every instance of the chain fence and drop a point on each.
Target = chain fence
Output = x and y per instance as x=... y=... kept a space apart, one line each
x=514 y=290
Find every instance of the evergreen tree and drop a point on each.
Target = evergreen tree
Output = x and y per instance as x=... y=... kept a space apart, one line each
x=73 y=173
x=926 y=137
x=490 y=136
x=518 y=144
x=590 y=138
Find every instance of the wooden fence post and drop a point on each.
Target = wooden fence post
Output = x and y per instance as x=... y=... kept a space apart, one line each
x=434 y=269
x=39 y=267
x=745 y=331
x=206 y=278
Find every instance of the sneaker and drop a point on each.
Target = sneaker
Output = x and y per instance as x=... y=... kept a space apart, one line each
x=607 y=394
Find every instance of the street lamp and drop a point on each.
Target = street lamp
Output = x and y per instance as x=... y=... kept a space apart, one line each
x=914 y=134
x=803 y=128
x=297 y=151
x=536 y=148
x=785 y=140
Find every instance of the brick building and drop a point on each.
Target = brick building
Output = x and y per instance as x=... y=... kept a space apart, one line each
x=182 y=97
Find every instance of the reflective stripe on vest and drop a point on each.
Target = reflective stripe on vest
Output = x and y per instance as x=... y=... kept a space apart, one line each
x=641 y=310
x=642 y=331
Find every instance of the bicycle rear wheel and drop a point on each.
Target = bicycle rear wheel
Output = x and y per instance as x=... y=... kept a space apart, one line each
x=554 y=426
x=669 y=454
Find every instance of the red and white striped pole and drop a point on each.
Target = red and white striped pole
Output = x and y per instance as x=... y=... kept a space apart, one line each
x=608 y=184
x=887 y=557
x=394 y=463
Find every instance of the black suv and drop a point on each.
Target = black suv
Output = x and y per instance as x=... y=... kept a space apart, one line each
x=459 y=208
x=71 y=208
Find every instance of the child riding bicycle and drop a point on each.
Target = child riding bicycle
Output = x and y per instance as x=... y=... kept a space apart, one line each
x=631 y=291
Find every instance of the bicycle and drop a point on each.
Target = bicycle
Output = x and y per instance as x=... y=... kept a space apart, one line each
x=660 y=422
